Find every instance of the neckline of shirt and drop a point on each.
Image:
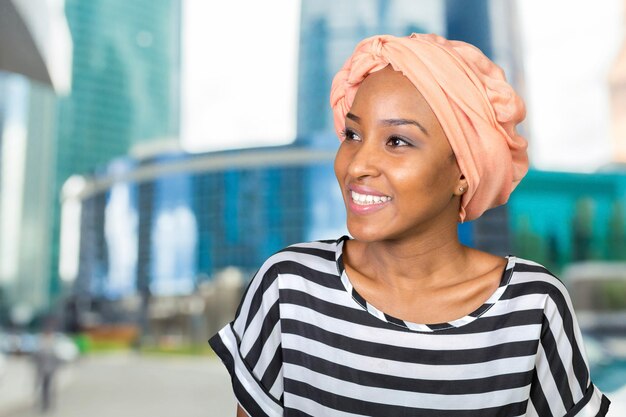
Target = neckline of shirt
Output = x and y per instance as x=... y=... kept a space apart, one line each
x=419 y=327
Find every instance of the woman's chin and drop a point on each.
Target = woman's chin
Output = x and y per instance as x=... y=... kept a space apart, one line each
x=367 y=233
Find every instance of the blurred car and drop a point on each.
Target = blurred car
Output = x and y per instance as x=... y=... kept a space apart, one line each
x=27 y=344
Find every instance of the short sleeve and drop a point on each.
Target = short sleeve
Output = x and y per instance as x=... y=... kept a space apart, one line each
x=250 y=347
x=561 y=383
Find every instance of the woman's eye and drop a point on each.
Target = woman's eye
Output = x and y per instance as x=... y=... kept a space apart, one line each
x=397 y=142
x=350 y=134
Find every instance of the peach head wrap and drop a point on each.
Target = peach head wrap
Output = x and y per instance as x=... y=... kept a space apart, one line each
x=476 y=107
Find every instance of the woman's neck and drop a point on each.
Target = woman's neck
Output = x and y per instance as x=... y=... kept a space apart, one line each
x=414 y=262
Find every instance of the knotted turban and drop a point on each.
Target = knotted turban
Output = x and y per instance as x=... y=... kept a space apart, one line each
x=475 y=105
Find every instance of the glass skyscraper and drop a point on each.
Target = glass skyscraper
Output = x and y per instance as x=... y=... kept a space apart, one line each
x=27 y=163
x=125 y=88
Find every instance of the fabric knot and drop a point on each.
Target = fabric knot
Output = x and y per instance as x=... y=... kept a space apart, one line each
x=376 y=48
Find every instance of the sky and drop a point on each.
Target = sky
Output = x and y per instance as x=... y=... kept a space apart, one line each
x=568 y=49
x=239 y=73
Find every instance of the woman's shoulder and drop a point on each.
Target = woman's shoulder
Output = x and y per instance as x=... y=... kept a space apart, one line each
x=318 y=255
x=293 y=267
x=528 y=277
x=324 y=248
x=531 y=271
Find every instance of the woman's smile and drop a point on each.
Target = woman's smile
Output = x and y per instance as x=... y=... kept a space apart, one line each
x=365 y=200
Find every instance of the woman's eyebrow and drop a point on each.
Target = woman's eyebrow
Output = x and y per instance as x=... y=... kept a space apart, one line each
x=353 y=116
x=391 y=122
x=398 y=122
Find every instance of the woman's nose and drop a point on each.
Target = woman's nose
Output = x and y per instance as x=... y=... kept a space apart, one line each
x=365 y=161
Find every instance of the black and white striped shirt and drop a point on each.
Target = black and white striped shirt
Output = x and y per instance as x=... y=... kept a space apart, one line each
x=305 y=343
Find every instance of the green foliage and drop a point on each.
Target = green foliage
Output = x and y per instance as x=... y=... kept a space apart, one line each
x=185 y=350
x=83 y=343
x=104 y=346
x=89 y=345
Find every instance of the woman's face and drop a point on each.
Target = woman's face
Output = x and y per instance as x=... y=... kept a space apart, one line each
x=395 y=167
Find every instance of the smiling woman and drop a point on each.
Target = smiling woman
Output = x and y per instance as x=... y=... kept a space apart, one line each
x=401 y=318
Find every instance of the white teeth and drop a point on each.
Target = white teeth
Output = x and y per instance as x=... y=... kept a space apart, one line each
x=366 y=199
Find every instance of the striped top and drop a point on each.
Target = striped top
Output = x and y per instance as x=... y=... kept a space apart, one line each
x=305 y=343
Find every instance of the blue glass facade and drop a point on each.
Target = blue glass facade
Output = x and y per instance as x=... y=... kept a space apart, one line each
x=183 y=227
x=173 y=235
x=167 y=234
x=120 y=232
x=246 y=215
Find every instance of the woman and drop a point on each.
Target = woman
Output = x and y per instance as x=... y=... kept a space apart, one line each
x=401 y=319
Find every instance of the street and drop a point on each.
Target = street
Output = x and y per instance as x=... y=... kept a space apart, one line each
x=132 y=385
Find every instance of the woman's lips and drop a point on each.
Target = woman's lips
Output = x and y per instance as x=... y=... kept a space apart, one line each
x=364 y=201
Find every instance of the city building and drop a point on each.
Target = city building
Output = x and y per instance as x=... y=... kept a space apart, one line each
x=140 y=218
x=124 y=73
x=35 y=68
x=162 y=224
x=125 y=94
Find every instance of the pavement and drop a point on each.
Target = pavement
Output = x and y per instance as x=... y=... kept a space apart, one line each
x=138 y=385
x=124 y=385
x=17 y=384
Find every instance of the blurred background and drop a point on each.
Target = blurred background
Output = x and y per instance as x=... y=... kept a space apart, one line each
x=153 y=153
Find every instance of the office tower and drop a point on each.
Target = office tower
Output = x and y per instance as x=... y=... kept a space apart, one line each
x=27 y=163
x=35 y=51
x=125 y=91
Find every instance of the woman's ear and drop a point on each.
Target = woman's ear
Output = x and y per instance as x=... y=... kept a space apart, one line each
x=461 y=186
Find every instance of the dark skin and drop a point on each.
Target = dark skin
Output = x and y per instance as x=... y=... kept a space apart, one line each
x=405 y=258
